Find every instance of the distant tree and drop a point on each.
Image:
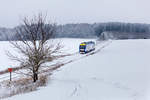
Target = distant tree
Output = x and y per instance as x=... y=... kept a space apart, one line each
x=33 y=44
x=129 y=28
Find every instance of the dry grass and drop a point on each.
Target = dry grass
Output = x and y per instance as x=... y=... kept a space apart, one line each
x=22 y=86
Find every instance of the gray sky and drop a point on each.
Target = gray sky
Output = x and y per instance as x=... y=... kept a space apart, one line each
x=75 y=11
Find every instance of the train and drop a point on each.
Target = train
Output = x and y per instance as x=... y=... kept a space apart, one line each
x=86 y=47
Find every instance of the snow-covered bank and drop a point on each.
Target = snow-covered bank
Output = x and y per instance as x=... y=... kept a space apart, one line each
x=120 y=71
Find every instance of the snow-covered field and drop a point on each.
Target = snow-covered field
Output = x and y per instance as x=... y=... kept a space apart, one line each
x=70 y=46
x=120 y=71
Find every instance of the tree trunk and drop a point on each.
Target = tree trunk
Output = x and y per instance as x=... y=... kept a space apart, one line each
x=35 y=77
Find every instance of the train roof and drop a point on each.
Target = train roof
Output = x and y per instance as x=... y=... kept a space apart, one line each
x=87 y=42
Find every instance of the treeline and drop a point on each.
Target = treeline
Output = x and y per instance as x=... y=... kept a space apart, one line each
x=82 y=30
x=6 y=33
x=130 y=28
x=116 y=30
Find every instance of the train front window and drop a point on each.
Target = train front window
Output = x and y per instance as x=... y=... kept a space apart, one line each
x=82 y=46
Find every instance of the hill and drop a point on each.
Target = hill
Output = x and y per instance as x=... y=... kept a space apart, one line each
x=119 y=71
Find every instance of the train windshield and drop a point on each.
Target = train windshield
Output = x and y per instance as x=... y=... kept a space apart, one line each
x=82 y=46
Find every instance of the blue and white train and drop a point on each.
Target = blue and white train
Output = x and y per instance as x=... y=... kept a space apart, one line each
x=86 y=47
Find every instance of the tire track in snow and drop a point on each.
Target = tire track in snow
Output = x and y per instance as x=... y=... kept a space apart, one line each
x=75 y=90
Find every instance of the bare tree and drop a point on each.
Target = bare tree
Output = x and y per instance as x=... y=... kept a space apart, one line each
x=33 y=45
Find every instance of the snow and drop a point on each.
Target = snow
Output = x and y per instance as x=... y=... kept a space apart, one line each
x=6 y=62
x=120 y=71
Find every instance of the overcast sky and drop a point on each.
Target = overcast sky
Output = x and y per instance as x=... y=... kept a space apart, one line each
x=75 y=11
